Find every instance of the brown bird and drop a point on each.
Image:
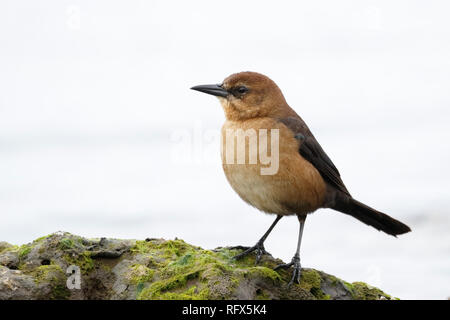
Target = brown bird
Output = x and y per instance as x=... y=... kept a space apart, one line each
x=301 y=177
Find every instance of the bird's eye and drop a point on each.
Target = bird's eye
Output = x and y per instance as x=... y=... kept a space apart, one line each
x=241 y=90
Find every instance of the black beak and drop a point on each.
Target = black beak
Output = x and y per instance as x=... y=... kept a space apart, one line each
x=214 y=89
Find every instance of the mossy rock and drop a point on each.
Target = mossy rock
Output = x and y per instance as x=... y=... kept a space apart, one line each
x=156 y=269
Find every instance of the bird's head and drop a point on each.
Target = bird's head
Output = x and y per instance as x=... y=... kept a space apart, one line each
x=247 y=95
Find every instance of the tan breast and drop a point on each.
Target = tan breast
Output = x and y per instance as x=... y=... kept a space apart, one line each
x=296 y=187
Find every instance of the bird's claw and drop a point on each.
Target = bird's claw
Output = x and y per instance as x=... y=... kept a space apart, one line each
x=295 y=263
x=259 y=248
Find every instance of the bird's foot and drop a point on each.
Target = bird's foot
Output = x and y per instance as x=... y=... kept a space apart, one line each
x=295 y=263
x=259 y=248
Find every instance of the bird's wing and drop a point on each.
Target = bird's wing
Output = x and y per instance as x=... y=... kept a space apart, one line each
x=311 y=150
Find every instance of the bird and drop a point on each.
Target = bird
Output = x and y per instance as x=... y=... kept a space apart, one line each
x=304 y=178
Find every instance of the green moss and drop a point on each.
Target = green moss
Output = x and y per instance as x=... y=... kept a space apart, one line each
x=245 y=261
x=174 y=247
x=83 y=261
x=158 y=289
x=362 y=291
x=188 y=272
x=41 y=273
x=106 y=267
x=311 y=281
x=262 y=295
x=55 y=277
x=13 y=248
x=166 y=249
x=265 y=272
x=41 y=238
x=196 y=267
x=60 y=292
x=66 y=244
x=334 y=280
x=140 y=274
x=348 y=285
x=24 y=250
x=142 y=247
x=190 y=294
x=176 y=270
x=185 y=259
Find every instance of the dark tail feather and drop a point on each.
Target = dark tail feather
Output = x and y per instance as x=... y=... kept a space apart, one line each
x=372 y=217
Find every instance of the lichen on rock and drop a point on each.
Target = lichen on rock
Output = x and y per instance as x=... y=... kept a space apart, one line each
x=156 y=269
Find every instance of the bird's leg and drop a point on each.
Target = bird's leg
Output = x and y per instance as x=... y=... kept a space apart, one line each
x=295 y=262
x=259 y=246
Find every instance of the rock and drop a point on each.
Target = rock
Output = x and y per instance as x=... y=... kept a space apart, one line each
x=155 y=269
x=4 y=245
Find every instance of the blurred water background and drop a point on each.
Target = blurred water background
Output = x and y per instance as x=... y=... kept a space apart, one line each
x=101 y=136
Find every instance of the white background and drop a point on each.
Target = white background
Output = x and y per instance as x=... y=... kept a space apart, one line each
x=94 y=97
